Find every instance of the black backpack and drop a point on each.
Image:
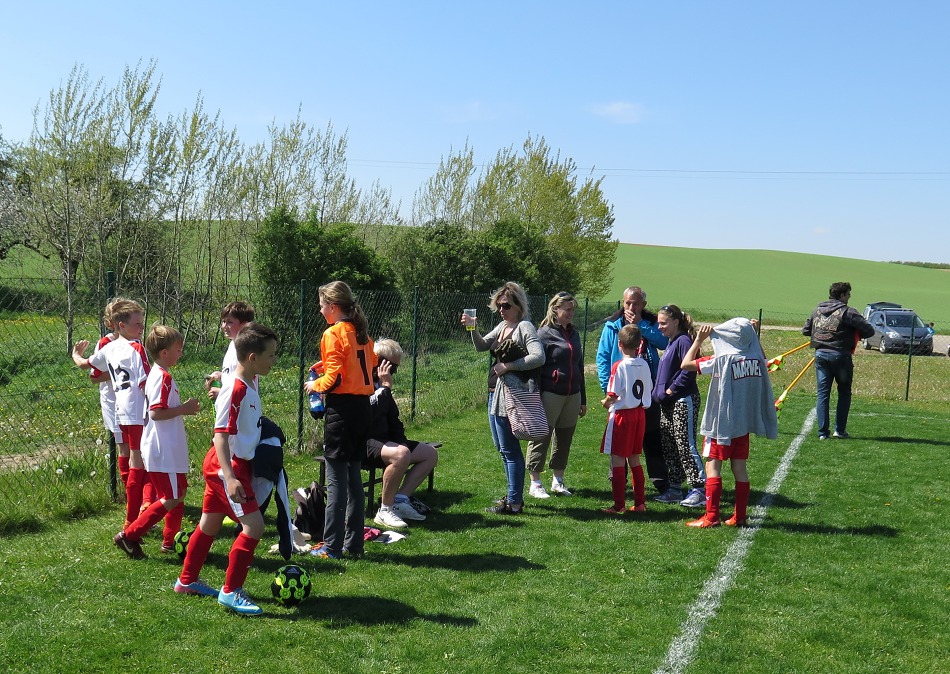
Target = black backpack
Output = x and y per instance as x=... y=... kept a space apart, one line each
x=311 y=510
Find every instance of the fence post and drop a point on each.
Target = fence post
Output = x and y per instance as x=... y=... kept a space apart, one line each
x=300 y=362
x=113 y=453
x=586 y=320
x=415 y=350
x=910 y=358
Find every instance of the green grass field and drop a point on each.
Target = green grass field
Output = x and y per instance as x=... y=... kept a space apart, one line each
x=846 y=571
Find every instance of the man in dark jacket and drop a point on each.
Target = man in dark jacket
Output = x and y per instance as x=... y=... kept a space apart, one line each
x=835 y=329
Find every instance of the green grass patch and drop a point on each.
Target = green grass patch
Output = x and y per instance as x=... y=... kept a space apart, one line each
x=847 y=573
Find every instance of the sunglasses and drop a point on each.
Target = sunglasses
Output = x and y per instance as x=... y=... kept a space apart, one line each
x=503 y=306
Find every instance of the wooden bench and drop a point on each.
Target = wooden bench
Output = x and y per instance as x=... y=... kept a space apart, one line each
x=375 y=478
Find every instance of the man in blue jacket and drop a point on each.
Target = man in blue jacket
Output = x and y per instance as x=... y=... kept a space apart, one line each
x=608 y=353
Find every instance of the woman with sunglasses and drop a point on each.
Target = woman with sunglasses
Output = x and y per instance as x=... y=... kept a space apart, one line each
x=563 y=393
x=511 y=302
x=677 y=393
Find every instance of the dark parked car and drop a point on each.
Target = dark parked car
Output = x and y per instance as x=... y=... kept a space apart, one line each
x=898 y=330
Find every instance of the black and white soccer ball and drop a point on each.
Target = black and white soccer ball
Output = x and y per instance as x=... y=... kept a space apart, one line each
x=181 y=542
x=291 y=585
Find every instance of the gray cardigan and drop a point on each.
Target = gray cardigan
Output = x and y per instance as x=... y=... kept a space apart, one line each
x=525 y=335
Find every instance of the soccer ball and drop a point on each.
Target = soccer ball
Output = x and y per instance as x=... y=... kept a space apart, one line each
x=291 y=585
x=181 y=542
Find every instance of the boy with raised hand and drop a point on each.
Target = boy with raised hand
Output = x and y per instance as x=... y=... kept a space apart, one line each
x=234 y=316
x=629 y=394
x=739 y=402
x=127 y=364
x=164 y=444
x=228 y=473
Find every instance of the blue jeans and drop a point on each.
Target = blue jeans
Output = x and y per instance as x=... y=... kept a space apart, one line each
x=837 y=367
x=511 y=455
x=343 y=529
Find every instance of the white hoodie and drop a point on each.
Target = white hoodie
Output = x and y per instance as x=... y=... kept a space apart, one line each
x=740 y=398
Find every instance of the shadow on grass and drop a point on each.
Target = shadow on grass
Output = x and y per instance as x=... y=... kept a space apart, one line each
x=910 y=441
x=480 y=562
x=876 y=530
x=341 y=612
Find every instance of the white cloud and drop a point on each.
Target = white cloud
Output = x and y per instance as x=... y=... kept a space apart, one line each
x=619 y=112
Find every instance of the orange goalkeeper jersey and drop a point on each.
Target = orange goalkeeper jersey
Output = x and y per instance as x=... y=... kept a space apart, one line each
x=347 y=365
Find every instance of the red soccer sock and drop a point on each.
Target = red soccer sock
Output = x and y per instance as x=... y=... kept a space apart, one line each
x=742 y=500
x=618 y=486
x=639 y=486
x=239 y=562
x=124 y=469
x=133 y=493
x=713 y=496
x=173 y=520
x=198 y=547
x=148 y=493
x=148 y=518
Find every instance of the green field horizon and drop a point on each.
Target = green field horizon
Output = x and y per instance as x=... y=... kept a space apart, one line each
x=722 y=282
x=784 y=285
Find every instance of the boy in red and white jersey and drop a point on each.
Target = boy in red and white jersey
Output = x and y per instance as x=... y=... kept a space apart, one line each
x=739 y=402
x=127 y=364
x=228 y=473
x=234 y=316
x=164 y=444
x=629 y=394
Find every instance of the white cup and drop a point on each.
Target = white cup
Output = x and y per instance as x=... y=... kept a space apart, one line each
x=471 y=313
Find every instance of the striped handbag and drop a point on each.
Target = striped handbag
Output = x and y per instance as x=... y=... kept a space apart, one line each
x=526 y=413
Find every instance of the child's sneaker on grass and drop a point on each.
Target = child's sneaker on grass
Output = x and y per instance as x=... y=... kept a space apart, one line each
x=324 y=552
x=735 y=522
x=671 y=495
x=612 y=510
x=238 y=602
x=703 y=523
x=132 y=548
x=642 y=508
x=196 y=587
x=695 y=499
x=167 y=549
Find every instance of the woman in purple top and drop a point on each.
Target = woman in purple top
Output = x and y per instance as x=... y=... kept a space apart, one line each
x=677 y=393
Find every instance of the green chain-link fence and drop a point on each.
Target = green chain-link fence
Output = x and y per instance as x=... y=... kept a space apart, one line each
x=53 y=445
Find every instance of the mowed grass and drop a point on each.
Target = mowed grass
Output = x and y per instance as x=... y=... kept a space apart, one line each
x=846 y=574
x=786 y=286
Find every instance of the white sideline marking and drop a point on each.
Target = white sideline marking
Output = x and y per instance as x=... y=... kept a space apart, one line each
x=683 y=647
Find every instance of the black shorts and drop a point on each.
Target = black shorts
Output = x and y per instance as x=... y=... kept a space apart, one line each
x=374 y=452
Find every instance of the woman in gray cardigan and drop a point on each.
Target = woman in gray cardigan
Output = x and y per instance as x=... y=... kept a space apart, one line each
x=511 y=302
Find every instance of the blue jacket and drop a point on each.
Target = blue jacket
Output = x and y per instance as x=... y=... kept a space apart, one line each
x=608 y=351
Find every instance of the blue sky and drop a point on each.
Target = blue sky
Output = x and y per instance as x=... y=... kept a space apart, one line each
x=818 y=127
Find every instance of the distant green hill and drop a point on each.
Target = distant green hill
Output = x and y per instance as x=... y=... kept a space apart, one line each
x=785 y=285
x=722 y=283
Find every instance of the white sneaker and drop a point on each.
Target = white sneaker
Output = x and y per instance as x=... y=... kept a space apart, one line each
x=559 y=489
x=537 y=491
x=406 y=511
x=387 y=518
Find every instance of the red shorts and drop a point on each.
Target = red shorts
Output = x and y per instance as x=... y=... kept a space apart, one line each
x=738 y=448
x=624 y=433
x=169 y=486
x=132 y=435
x=216 y=499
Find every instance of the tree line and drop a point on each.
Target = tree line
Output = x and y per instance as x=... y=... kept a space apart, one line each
x=179 y=206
